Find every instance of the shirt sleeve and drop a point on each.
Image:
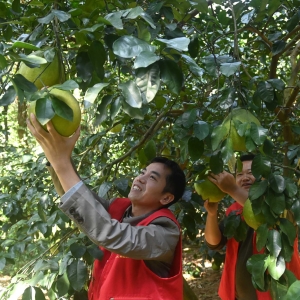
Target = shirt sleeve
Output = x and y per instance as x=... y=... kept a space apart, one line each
x=223 y=241
x=157 y=241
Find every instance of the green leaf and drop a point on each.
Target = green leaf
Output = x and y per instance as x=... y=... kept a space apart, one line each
x=276 y=202
x=257 y=189
x=196 y=148
x=246 y=18
x=148 y=19
x=180 y=44
x=145 y=59
x=135 y=113
x=131 y=94
x=47 y=19
x=77 y=274
x=274 y=243
x=189 y=118
x=115 y=19
x=194 y=68
x=277 y=290
x=276 y=267
x=293 y=291
x=296 y=211
x=277 y=84
x=95 y=252
x=277 y=183
x=150 y=150
x=148 y=81
x=258 y=134
x=24 y=84
x=62 y=285
x=171 y=75
x=257 y=265
x=102 y=109
x=121 y=184
x=9 y=96
x=62 y=109
x=231 y=223
x=67 y=85
x=287 y=249
x=193 y=47
x=293 y=21
x=261 y=236
x=24 y=45
x=104 y=188
x=130 y=46
x=44 y=110
x=216 y=163
x=229 y=69
x=291 y=188
x=219 y=133
x=3 y=62
x=261 y=166
x=278 y=47
x=97 y=55
x=92 y=93
x=77 y=250
x=61 y=15
x=289 y=229
x=33 y=293
x=201 y=130
x=115 y=108
x=227 y=150
x=265 y=91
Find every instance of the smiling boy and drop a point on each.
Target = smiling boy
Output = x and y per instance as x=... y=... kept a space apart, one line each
x=139 y=235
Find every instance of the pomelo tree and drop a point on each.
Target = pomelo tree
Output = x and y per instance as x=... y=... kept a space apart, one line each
x=169 y=72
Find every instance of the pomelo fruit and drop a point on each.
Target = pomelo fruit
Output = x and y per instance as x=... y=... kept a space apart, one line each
x=117 y=128
x=63 y=127
x=46 y=75
x=209 y=191
x=244 y=116
x=250 y=218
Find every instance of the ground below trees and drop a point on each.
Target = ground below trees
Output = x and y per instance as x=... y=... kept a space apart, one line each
x=206 y=284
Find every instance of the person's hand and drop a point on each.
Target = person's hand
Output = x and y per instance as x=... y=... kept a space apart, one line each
x=57 y=148
x=211 y=207
x=224 y=181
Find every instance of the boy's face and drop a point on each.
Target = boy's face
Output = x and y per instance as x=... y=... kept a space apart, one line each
x=244 y=178
x=147 y=189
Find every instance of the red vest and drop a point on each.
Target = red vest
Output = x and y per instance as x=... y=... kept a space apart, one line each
x=227 y=284
x=118 y=277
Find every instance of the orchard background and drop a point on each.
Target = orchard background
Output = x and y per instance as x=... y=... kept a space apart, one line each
x=152 y=78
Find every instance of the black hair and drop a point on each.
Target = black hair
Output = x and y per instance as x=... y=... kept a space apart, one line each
x=246 y=157
x=175 y=181
x=243 y=157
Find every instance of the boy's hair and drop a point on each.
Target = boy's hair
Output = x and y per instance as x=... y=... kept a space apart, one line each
x=246 y=157
x=175 y=181
x=243 y=157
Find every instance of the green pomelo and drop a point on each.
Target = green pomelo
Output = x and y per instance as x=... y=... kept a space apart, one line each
x=46 y=75
x=209 y=191
x=117 y=128
x=63 y=127
x=250 y=218
x=244 y=116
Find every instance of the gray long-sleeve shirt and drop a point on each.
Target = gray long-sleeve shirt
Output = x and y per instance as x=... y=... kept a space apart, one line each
x=155 y=243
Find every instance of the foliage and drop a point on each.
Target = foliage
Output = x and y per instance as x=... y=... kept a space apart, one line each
x=169 y=72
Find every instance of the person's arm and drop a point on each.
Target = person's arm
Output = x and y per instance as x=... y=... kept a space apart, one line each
x=226 y=182
x=58 y=150
x=212 y=232
x=156 y=241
